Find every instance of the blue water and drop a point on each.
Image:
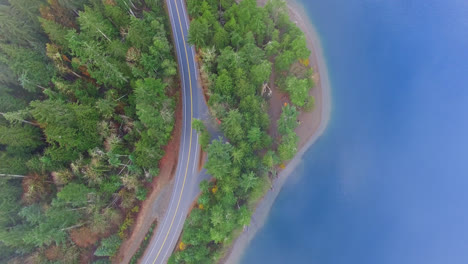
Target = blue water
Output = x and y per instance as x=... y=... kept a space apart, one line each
x=388 y=181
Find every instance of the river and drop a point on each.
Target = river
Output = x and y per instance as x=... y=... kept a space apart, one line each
x=388 y=180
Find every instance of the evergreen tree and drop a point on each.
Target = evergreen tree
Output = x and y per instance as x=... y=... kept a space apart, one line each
x=28 y=66
x=27 y=138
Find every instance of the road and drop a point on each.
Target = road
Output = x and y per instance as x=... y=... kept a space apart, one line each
x=187 y=178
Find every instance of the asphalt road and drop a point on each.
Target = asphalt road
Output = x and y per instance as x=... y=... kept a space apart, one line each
x=187 y=179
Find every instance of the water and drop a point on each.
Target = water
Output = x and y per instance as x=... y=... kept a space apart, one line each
x=388 y=181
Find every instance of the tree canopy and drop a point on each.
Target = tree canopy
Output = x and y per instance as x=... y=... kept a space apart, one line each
x=242 y=44
x=86 y=107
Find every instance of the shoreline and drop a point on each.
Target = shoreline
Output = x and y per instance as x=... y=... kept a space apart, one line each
x=323 y=102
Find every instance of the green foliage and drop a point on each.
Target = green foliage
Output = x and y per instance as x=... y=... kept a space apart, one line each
x=284 y=60
x=26 y=137
x=224 y=85
x=144 y=244
x=199 y=32
x=237 y=67
x=56 y=32
x=298 y=90
x=106 y=107
x=139 y=34
x=13 y=163
x=108 y=247
x=84 y=117
x=141 y=193
x=10 y=194
x=288 y=146
x=70 y=128
x=272 y=48
x=288 y=120
x=254 y=135
x=221 y=37
x=310 y=104
x=261 y=72
x=244 y=216
x=249 y=181
x=95 y=26
x=270 y=160
x=219 y=159
x=98 y=61
x=52 y=227
x=147 y=151
x=232 y=126
x=299 y=47
x=28 y=66
x=154 y=108
x=205 y=137
x=129 y=219
x=156 y=112
x=75 y=194
x=102 y=261
x=154 y=59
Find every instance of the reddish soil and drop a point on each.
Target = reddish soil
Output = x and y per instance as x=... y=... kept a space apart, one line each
x=276 y=102
x=145 y=218
x=203 y=81
x=201 y=160
x=87 y=256
x=83 y=237
x=308 y=121
x=52 y=253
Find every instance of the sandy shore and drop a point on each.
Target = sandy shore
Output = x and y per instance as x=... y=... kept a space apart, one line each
x=312 y=127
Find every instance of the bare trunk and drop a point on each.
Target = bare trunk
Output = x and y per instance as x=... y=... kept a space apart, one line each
x=76 y=209
x=132 y=4
x=43 y=88
x=76 y=74
x=71 y=227
x=12 y=175
x=125 y=166
x=120 y=98
x=102 y=33
x=130 y=10
x=24 y=121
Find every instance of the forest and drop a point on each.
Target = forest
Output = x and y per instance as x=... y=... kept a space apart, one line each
x=241 y=46
x=88 y=90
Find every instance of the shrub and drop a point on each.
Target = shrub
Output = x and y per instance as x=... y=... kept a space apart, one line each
x=109 y=246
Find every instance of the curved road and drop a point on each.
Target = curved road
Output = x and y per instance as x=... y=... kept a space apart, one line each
x=186 y=182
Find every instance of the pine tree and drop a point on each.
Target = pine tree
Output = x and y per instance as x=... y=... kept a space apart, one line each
x=28 y=67
x=26 y=137
x=94 y=25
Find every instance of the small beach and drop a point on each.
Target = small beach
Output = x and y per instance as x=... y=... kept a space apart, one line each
x=312 y=126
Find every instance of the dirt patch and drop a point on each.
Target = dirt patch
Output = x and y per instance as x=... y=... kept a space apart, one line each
x=146 y=215
x=203 y=81
x=87 y=256
x=276 y=102
x=83 y=237
x=309 y=122
x=53 y=253
x=201 y=159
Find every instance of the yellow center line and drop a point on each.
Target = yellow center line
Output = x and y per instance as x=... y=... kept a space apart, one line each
x=190 y=141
